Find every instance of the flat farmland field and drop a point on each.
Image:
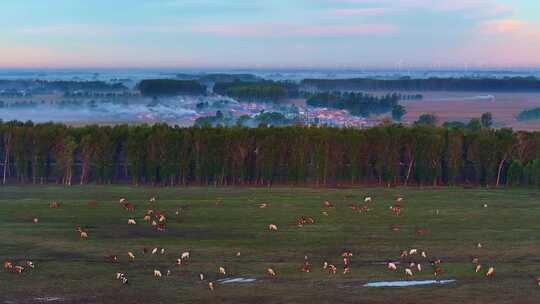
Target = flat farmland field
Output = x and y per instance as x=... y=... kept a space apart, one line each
x=462 y=106
x=214 y=224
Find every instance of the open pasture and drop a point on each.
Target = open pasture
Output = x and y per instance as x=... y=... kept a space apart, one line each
x=214 y=224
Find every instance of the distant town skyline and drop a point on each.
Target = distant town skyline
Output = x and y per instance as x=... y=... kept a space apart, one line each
x=270 y=34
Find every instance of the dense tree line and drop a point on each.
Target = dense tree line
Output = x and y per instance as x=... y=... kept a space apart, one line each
x=166 y=155
x=218 y=77
x=170 y=87
x=529 y=114
x=359 y=104
x=263 y=91
x=41 y=86
x=510 y=84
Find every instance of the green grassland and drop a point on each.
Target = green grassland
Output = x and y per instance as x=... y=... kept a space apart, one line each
x=79 y=271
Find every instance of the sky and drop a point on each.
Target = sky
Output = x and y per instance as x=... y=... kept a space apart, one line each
x=336 y=34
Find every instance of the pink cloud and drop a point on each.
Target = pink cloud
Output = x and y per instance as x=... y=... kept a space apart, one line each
x=504 y=26
x=292 y=30
x=348 y=30
x=361 y=11
x=504 y=42
x=483 y=7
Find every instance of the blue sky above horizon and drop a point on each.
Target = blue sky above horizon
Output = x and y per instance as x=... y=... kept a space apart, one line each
x=270 y=33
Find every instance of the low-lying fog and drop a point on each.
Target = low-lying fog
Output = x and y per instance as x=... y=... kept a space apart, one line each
x=181 y=111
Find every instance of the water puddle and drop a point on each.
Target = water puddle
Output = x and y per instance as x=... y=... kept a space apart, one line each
x=236 y=280
x=408 y=283
x=49 y=299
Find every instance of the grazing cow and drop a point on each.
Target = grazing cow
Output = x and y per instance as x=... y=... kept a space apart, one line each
x=157 y=273
x=437 y=270
x=368 y=200
x=8 y=265
x=114 y=258
x=185 y=255
x=238 y=254
x=396 y=210
x=325 y=265
x=132 y=222
x=155 y=250
x=219 y=203
x=408 y=272
x=178 y=262
x=162 y=251
x=263 y=206
x=131 y=256
x=272 y=227
x=332 y=269
x=271 y=272
x=419 y=267
x=160 y=227
x=18 y=269
x=83 y=234
x=300 y=221
x=365 y=208
x=392 y=266
x=152 y=200
x=404 y=254
x=127 y=205
x=424 y=254
x=478 y=268
x=328 y=204
x=346 y=270
x=211 y=286
x=30 y=264
x=201 y=276
x=491 y=272
x=147 y=218
x=413 y=251
x=306 y=267
x=124 y=280
x=221 y=271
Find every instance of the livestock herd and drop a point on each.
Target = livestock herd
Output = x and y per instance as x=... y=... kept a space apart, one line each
x=410 y=261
